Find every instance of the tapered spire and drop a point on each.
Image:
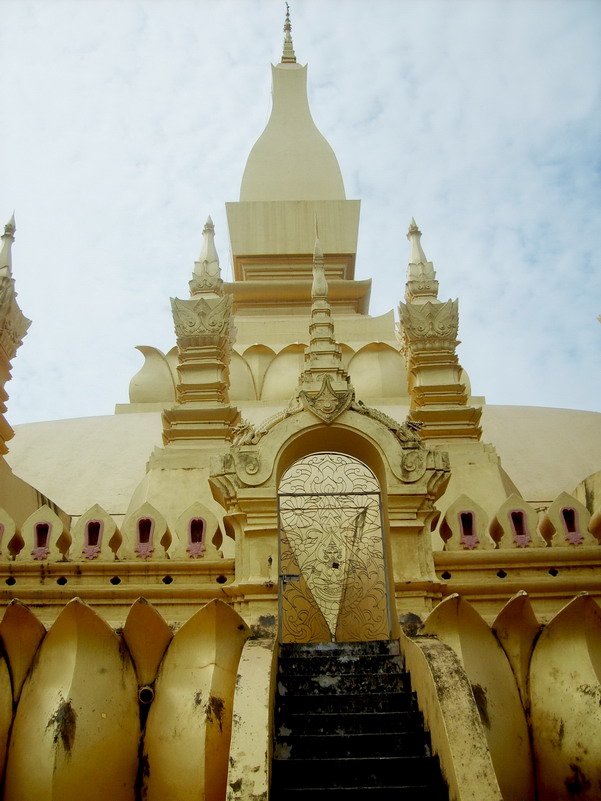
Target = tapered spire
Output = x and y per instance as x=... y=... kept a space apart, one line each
x=6 y=252
x=288 y=55
x=421 y=284
x=323 y=357
x=414 y=235
x=206 y=278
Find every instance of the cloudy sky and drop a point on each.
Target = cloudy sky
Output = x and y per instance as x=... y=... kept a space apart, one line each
x=125 y=123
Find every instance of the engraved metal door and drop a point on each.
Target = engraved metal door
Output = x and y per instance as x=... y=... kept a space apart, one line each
x=332 y=569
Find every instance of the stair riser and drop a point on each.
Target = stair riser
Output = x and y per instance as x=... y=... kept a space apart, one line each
x=378 y=772
x=310 y=704
x=344 y=684
x=421 y=792
x=352 y=746
x=344 y=723
x=375 y=665
x=311 y=650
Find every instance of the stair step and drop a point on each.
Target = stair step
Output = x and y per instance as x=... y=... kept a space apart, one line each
x=346 y=663
x=393 y=793
x=342 y=683
x=336 y=746
x=347 y=726
x=348 y=722
x=353 y=772
x=312 y=704
x=312 y=649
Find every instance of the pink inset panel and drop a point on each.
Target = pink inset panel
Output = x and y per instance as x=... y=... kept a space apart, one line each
x=144 y=546
x=469 y=538
x=570 y=522
x=41 y=536
x=521 y=537
x=93 y=542
x=196 y=537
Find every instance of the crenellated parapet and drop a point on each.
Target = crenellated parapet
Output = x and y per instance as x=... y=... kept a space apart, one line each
x=551 y=554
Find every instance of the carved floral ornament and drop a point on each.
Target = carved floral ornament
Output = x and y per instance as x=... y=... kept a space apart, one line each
x=430 y=320
x=327 y=405
x=13 y=323
x=202 y=316
x=206 y=282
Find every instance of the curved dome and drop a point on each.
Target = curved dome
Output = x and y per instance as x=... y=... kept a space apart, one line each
x=291 y=160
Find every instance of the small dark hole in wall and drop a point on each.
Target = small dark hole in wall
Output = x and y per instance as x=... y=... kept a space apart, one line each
x=10 y=581
x=115 y=580
x=221 y=579
x=146 y=694
x=62 y=581
x=553 y=572
x=446 y=575
x=167 y=579
x=501 y=574
x=335 y=565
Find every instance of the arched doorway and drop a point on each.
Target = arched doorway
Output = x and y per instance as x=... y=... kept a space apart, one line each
x=332 y=569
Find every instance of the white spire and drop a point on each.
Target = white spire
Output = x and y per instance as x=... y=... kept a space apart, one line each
x=6 y=252
x=421 y=283
x=208 y=252
x=288 y=55
x=414 y=235
x=206 y=278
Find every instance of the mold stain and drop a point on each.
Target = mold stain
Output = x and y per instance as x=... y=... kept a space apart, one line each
x=214 y=710
x=482 y=704
x=64 y=722
x=577 y=783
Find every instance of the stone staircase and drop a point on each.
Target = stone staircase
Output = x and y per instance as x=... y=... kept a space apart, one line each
x=347 y=726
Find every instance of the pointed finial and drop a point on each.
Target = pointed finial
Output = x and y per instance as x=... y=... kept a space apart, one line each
x=414 y=235
x=288 y=55
x=207 y=275
x=208 y=252
x=6 y=252
x=421 y=285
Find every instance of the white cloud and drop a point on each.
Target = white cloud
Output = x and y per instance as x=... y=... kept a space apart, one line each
x=126 y=123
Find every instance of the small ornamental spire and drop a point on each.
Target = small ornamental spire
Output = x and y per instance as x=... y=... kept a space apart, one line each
x=319 y=288
x=206 y=278
x=288 y=55
x=421 y=284
x=414 y=235
x=6 y=252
